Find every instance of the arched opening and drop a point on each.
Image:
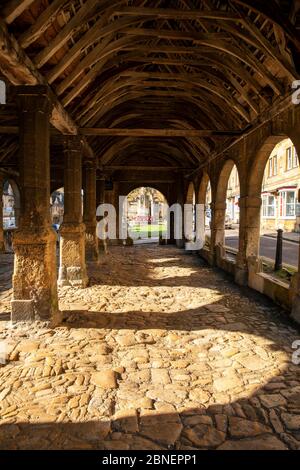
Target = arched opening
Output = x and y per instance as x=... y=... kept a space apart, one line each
x=205 y=200
x=227 y=209
x=232 y=216
x=190 y=213
x=280 y=208
x=10 y=211
x=145 y=215
x=57 y=207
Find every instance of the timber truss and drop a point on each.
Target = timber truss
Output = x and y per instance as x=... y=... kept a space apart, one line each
x=150 y=83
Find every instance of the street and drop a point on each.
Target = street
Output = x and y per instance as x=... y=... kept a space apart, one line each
x=268 y=248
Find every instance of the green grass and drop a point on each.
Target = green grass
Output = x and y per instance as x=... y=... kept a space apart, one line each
x=148 y=231
x=148 y=228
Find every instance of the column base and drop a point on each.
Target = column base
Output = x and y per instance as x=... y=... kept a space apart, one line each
x=91 y=243
x=34 y=278
x=241 y=276
x=180 y=244
x=72 y=270
x=241 y=271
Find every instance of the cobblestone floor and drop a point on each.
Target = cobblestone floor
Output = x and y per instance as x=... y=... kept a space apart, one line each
x=159 y=352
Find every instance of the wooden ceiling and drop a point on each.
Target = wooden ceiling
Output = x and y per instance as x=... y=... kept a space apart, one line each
x=150 y=69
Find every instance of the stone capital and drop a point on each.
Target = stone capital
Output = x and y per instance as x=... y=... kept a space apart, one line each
x=29 y=236
x=34 y=99
x=90 y=165
x=72 y=227
x=72 y=143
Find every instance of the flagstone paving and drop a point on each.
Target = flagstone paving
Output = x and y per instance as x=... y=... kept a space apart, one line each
x=159 y=352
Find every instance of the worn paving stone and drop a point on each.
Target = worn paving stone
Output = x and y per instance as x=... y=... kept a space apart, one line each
x=159 y=352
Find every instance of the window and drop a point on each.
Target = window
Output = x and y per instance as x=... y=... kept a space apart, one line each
x=272 y=166
x=275 y=165
x=287 y=204
x=289 y=158
x=269 y=205
x=295 y=160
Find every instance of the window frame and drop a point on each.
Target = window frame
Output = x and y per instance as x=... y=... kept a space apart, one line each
x=283 y=204
x=266 y=206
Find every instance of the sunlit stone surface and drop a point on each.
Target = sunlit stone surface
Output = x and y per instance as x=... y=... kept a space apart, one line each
x=159 y=352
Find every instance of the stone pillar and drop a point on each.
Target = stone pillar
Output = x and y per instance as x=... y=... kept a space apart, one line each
x=2 y=245
x=115 y=201
x=100 y=198
x=89 y=211
x=72 y=269
x=100 y=190
x=249 y=236
x=180 y=200
x=217 y=228
x=34 y=242
x=171 y=240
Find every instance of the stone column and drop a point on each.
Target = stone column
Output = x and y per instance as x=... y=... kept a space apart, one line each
x=2 y=245
x=180 y=200
x=115 y=201
x=34 y=242
x=89 y=211
x=72 y=269
x=217 y=230
x=249 y=236
x=100 y=198
x=100 y=190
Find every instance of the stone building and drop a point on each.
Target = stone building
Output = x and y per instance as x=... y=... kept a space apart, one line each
x=8 y=202
x=233 y=196
x=280 y=189
x=147 y=349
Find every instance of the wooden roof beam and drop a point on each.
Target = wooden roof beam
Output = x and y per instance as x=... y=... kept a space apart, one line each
x=15 y=8
x=41 y=24
x=65 y=33
x=19 y=70
x=273 y=13
x=174 y=14
x=96 y=131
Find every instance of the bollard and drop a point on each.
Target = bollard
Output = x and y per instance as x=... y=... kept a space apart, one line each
x=278 y=257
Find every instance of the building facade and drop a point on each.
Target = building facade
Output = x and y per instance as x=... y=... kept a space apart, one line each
x=9 y=220
x=233 y=195
x=281 y=183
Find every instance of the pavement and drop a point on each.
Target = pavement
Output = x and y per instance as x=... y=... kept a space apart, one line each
x=159 y=352
x=287 y=236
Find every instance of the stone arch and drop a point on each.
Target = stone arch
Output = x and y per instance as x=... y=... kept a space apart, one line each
x=191 y=194
x=257 y=168
x=254 y=200
x=204 y=185
x=220 y=200
x=157 y=212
